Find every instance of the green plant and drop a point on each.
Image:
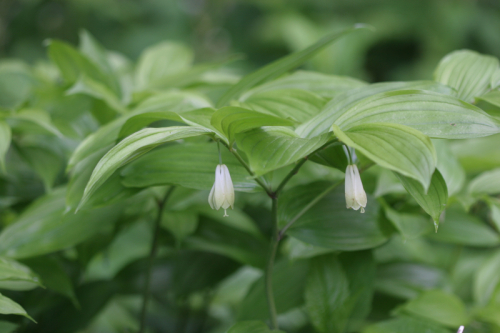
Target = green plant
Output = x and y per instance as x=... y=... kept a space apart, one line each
x=106 y=183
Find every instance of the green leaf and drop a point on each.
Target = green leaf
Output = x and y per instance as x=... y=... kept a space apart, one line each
x=46 y=227
x=404 y=325
x=387 y=183
x=15 y=87
x=270 y=148
x=486 y=183
x=281 y=66
x=469 y=72
x=409 y=225
x=435 y=115
x=33 y=121
x=434 y=200
x=333 y=156
x=8 y=306
x=5 y=137
x=180 y=223
x=53 y=275
x=72 y=64
x=232 y=120
x=395 y=147
x=91 y=48
x=202 y=117
x=344 y=230
x=322 y=84
x=251 y=326
x=438 y=306
x=160 y=61
x=347 y=100
x=132 y=147
x=477 y=155
x=189 y=165
x=44 y=162
x=289 y=280
x=326 y=295
x=87 y=86
x=7 y=327
x=135 y=123
x=297 y=105
x=174 y=101
x=494 y=206
x=461 y=228
x=487 y=280
x=11 y=272
x=449 y=167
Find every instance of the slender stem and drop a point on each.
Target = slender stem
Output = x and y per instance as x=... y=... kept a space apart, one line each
x=152 y=255
x=218 y=147
x=269 y=268
x=290 y=175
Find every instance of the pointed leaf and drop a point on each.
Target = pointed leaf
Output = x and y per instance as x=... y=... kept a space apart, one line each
x=449 y=167
x=486 y=183
x=232 y=120
x=87 y=86
x=8 y=306
x=395 y=147
x=281 y=66
x=270 y=148
x=469 y=72
x=12 y=271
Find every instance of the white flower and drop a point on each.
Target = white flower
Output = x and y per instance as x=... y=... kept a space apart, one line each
x=355 y=196
x=461 y=329
x=222 y=193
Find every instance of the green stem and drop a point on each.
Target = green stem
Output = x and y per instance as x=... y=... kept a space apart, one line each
x=290 y=175
x=269 y=268
x=152 y=255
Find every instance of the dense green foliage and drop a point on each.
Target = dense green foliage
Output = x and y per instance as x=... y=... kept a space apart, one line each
x=107 y=167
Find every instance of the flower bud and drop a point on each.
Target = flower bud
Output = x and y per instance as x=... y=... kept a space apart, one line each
x=355 y=196
x=222 y=193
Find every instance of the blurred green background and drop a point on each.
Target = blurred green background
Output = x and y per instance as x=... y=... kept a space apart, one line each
x=411 y=36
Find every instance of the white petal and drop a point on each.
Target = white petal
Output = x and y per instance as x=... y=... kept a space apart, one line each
x=359 y=192
x=211 y=201
x=219 y=188
x=228 y=188
x=349 y=187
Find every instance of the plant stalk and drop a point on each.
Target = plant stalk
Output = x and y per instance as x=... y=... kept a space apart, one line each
x=273 y=247
x=152 y=255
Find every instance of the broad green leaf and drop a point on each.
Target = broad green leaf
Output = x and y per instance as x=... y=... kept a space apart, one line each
x=160 y=61
x=299 y=250
x=281 y=66
x=232 y=120
x=11 y=272
x=297 y=105
x=72 y=64
x=409 y=225
x=15 y=88
x=449 y=167
x=329 y=223
x=188 y=165
x=132 y=147
x=495 y=212
x=407 y=280
x=404 y=325
x=46 y=227
x=333 y=156
x=477 y=155
x=289 y=280
x=91 y=48
x=270 y=148
x=486 y=183
x=222 y=238
x=387 y=183
x=5 y=137
x=180 y=223
x=202 y=117
x=492 y=97
x=33 y=121
x=239 y=219
x=326 y=295
x=469 y=72
x=343 y=102
x=251 y=326
x=8 y=307
x=438 y=306
x=318 y=83
x=53 y=275
x=87 y=86
x=135 y=123
x=434 y=200
x=487 y=280
x=461 y=228
x=435 y=115
x=395 y=147
x=44 y=162
x=174 y=101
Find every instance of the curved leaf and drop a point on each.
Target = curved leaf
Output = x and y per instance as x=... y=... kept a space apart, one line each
x=132 y=147
x=8 y=306
x=5 y=137
x=395 y=147
x=281 y=66
x=469 y=72
x=486 y=183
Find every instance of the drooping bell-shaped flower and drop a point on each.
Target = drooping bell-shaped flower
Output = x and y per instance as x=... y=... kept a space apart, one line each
x=355 y=196
x=461 y=329
x=222 y=193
